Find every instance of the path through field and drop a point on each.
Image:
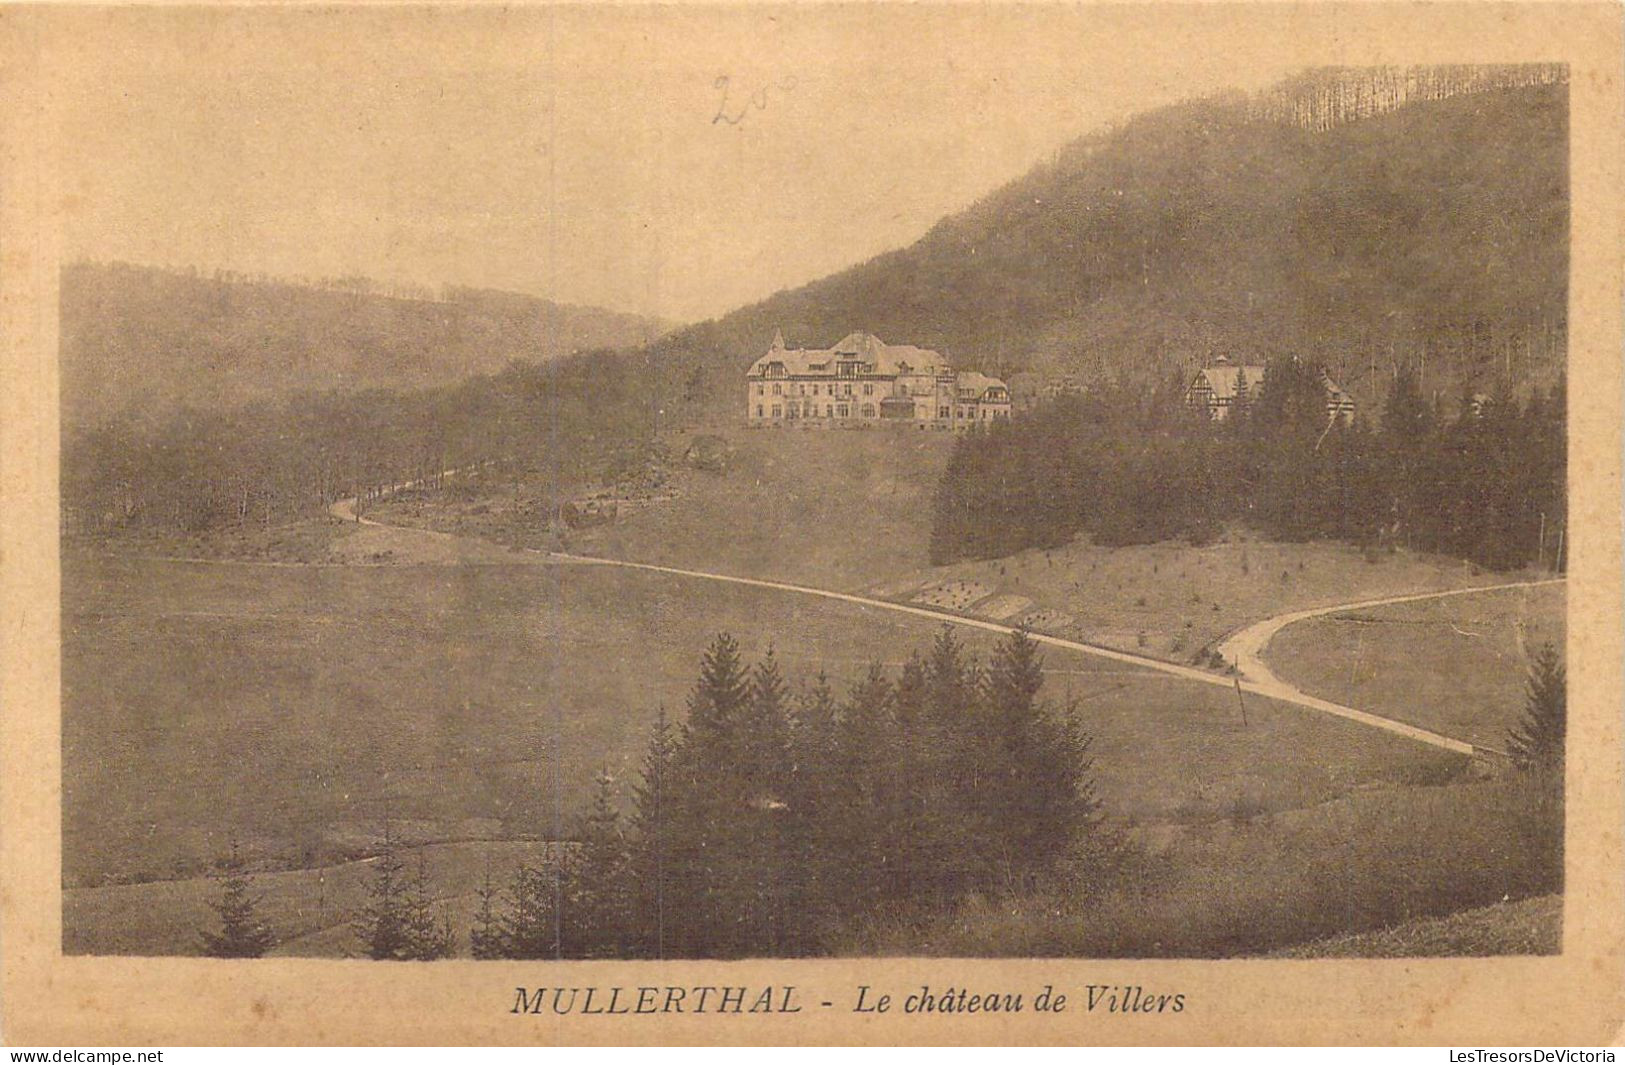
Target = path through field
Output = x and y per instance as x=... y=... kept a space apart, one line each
x=1244 y=648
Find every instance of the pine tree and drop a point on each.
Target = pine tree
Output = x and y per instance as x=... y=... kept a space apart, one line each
x=601 y=904
x=808 y=826
x=712 y=905
x=242 y=934
x=381 y=926
x=765 y=733
x=529 y=925
x=1408 y=434
x=485 y=938
x=651 y=799
x=428 y=936
x=1034 y=797
x=1538 y=742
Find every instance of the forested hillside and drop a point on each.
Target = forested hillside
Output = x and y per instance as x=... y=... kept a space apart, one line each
x=1365 y=220
x=1124 y=467
x=280 y=460
x=149 y=341
x=1377 y=223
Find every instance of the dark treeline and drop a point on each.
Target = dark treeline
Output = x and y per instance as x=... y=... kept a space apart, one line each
x=1487 y=484
x=286 y=459
x=766 y=822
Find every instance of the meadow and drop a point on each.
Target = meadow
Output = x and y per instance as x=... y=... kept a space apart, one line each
x=866 y=497
x=1388 y=659
x=835 y=509
x=300 y=710
x=299 y=707
x=1319 y=879
x=1172 y=600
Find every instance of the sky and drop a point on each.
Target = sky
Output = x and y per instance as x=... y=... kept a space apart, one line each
x=678 y=161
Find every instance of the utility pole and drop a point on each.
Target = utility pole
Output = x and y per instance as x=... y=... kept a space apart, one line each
x=1241 y=702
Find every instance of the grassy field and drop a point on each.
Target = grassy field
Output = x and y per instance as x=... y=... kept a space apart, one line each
x=1528 y=926
x=868 y=496
x=313 y=541
x=1372 y=859
x=309 y=909
x=839 y=509
x=1455 y=665
x=466 y=694
x=1172 y=600
x=299 y=708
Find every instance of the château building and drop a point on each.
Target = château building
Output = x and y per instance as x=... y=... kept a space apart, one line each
x=862 y=381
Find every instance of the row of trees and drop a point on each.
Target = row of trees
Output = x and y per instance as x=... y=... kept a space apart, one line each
x=1331 y=96
x=767 y=822
x=1488 y=484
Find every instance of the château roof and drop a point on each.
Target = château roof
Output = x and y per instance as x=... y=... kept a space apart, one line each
x=977 y=384
x=877 y=356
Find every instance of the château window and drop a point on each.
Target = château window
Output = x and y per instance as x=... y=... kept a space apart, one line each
x=777 y=411
x=841 y=411
x=776 y=390
x=849 y=390
x=758 y=410
x=868 y=390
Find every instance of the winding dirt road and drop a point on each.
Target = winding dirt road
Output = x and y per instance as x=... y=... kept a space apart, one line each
x=1245 y=648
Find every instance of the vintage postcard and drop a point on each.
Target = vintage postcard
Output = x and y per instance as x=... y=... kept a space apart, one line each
x=885 y=523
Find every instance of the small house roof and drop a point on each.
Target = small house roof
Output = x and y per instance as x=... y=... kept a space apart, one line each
x=1223 y=375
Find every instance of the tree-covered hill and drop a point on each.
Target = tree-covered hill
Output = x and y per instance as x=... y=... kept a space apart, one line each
x=1335 y=218
x=140 y=339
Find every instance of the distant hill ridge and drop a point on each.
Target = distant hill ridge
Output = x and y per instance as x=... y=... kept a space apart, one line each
x=1367 y=219
x=148 y=340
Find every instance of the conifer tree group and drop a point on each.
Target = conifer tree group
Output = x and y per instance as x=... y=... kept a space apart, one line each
x=769 y=820
x=1487 y=484
x=400 y=921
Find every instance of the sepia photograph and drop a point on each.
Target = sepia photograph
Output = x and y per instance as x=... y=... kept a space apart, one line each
x=766 y=483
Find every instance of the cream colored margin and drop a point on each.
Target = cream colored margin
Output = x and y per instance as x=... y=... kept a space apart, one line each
x=1571 y=999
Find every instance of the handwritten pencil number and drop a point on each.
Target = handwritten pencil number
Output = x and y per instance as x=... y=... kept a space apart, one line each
x=732 y=113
